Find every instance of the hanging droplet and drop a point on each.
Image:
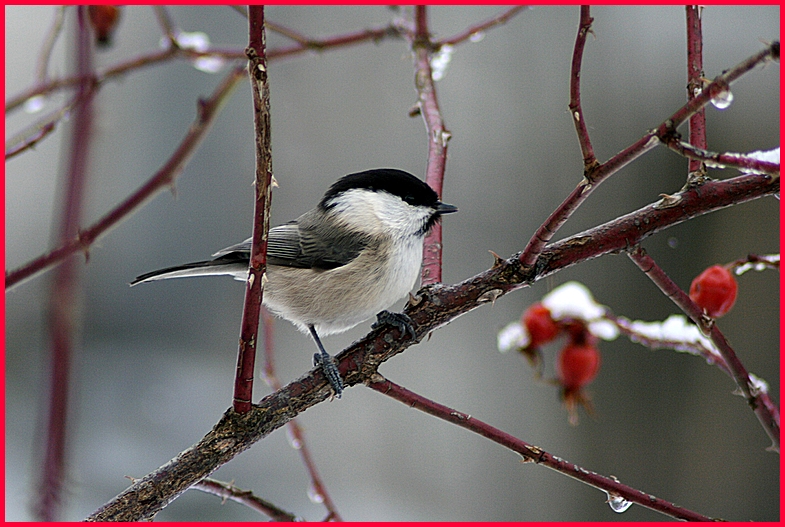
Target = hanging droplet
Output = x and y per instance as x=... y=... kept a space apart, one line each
x=722 y=100
x=618 y=504
x=314 y=495
x=477 y=37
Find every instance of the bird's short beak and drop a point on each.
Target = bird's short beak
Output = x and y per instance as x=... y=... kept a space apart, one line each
x=445 y=208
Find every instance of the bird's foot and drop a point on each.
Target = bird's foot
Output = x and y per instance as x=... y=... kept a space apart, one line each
x=399 y=320
x=327 y=364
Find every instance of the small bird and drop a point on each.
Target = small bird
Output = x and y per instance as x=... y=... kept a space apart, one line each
x=351 y=257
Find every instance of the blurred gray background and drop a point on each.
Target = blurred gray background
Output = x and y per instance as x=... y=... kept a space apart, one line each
x=155 y=364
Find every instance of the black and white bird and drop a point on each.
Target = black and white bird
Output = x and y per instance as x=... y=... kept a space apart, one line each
x=350 y=258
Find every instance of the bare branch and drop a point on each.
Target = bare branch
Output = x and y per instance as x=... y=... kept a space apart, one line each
x=531 y=453
x=663 y=133
x=476 y=29
x=742 y=162
x=438 y=305
x=208 y=111
x=437 y=136
x=576 y=111
x=695 y=84
x=769 y=420
x=263 y=188
x=64 y=290
x=297 y=436
x=227 y=491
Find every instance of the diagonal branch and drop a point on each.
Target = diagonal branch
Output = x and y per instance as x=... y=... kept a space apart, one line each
x=207 y=112
x=662 y=134
x=477 y=29
x=227 y=491
x=436 y=306
x=531 y=453
x=768 y=419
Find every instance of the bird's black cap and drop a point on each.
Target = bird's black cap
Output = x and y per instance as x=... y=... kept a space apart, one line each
x=409 y=188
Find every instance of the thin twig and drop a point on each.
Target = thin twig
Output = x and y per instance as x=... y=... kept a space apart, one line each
x=662 y=134
x=576 y=111
x=227 y=491
x=167 y=26
x=695 y=85
x=531 y=453
x=742 y=162
x=297 y=436
x=263 y=188
x=208 y=110
x=36 y=132
x=161 y=56
x=437 y=136
x=476 y=29
x=768 y=420
x=42 y=70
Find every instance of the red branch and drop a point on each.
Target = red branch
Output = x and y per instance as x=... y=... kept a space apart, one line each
x=742 y=162
x=663 y=133
x=297 y=434
x=257 y=71
x=63 y=299
x=227 y=491
x=695 y=82
x=438 y=136
x=584 y=28
x=531 y=453
x=477 y=29
x=208 y=110
x=172 y=52
x=769 y=420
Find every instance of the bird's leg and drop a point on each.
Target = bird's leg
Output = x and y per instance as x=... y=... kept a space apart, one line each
x=326 y=363
x=398 y=320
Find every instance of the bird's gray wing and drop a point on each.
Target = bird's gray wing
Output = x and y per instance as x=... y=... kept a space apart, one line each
x=304 y=244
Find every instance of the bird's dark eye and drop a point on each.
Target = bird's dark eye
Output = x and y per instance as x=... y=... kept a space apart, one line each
x=409 y=199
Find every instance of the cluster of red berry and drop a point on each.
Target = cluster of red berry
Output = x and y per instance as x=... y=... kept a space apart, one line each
x=578 y=360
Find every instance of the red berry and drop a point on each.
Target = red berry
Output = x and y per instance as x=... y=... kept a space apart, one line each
x=577 y=365
x=541 y=327
x=714 y=290
x=104 y=20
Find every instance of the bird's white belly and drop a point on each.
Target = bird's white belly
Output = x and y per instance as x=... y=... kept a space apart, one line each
x=348 y=294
